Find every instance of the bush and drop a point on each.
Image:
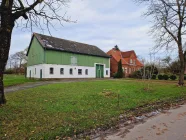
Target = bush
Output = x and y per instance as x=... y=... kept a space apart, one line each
x=120 y=70
x=160 y=77
x=184 y=77
x=115 y=75
x=153 y=76
x=8 y=71
x=173 y=77
x=136 y=75
x=165 y=77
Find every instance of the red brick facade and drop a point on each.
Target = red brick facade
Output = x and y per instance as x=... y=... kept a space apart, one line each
x=130 y=62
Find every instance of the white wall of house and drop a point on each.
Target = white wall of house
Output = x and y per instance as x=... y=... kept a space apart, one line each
x=35 y=71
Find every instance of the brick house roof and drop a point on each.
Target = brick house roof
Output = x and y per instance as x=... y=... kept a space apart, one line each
x=128 y=54
x=124 y=56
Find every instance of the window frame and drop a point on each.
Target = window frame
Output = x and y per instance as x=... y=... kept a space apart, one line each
x=106 y=72
x=71 y=71
x=131 y=61
x=86 y=71
x=51 y=70
x=126 y=70
x=61 y=71
x=80 y=70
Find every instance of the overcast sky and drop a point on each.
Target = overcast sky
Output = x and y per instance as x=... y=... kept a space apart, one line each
x=101 y=23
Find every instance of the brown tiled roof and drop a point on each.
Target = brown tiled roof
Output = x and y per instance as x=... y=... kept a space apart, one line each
x=127 y=54
x=58 y=44
x=124 y=56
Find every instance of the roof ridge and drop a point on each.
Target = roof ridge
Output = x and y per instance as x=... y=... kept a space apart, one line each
x=128 y=51
x=60 y=44
x=66 y=39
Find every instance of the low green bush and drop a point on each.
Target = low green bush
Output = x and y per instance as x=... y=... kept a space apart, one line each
x=153 y=76
x=173 y=77
x=136 y=74
x=160 y=77
x=165 y=77
x=184 y=77
x=8 y=71
x=115 y=75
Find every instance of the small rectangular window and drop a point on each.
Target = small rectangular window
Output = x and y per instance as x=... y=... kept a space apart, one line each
x=125 y=70
x=51 y=70
x=106 y=72
x=131 y=61
x=35 y=70
x=86 y=72
x=79 y=71
x=61 y=70
x=71 y=71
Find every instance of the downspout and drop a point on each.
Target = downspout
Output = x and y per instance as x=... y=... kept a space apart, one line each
x=44 y=56
x=43 y=71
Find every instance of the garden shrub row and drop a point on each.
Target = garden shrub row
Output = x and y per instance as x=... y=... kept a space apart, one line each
x=164 y=77
x=138 y=75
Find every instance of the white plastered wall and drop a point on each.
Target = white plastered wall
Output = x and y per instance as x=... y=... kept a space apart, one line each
x=35 y=71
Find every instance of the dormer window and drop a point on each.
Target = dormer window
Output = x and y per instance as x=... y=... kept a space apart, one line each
x=131 y=61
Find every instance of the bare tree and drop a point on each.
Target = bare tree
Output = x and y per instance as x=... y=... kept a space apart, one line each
x=20 y=57
x=169 y=20
x=167 y=60
x=9 y=62
x=159 y=64
x=149 y=69
x=36 y=13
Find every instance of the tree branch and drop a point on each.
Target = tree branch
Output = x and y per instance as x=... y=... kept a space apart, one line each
x=25 y=10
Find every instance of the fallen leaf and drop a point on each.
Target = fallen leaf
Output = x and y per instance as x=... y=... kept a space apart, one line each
x=158 y=133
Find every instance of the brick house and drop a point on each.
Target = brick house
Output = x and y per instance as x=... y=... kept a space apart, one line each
x=130 y=62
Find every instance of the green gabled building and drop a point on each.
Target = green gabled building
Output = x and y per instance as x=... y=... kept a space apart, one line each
x=50 y=57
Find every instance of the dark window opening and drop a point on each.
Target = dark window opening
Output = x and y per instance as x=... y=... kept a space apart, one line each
x=71 y=71
x=61 y=70
x=51 y=70
x=106 y=72
x=79 y=71
x=86 y=71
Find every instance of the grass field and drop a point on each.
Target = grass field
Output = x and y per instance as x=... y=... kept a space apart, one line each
x=69 y=108
x=11 y=80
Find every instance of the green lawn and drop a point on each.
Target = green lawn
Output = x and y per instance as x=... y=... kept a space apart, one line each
x=69 y=108
x=11 y=80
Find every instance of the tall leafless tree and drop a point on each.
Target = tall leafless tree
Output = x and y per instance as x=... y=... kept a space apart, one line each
x=169 y=21
x=20 y=57
x=35 y=13
x=9 y=62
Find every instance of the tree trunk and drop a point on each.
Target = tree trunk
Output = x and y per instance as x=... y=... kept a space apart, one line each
x=6 y=26
x=182 y=67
